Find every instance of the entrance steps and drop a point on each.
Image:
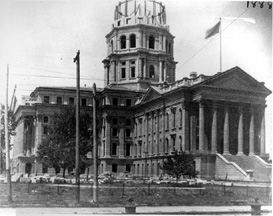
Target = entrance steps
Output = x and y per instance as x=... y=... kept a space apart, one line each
x=16 y=177
x=252 y=168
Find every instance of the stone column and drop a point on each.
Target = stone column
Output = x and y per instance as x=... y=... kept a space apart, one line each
x=138 y=149
x=214 y=129
x=139 y=44
x=240 y=132
x=107 y=137
x=106 y=72
x=251 y=132
x=193 y=132
x=163 y=111
x=201 y=127
x=164 y=71
x=185 y=127
x=121 y=139
x=144 y=68
x=151 y=133
x=137 y=63
x=144 y=40
x=160 y=71
x=147 y=134
x=263 y=132
x=157 y=133
x=226 y=132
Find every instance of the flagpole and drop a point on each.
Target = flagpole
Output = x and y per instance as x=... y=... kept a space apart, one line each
x=220 y=45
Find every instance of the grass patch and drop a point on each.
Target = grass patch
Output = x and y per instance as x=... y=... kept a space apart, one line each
x=142 y=194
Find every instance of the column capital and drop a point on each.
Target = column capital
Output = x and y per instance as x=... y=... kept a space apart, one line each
x=201 y=103
x=173 y=109
x=252 y=109
x=214 y=104
x=108 y=118
x=241 y=109
x=184 y=104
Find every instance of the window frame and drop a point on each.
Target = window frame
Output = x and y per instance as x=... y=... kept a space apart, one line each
x=46 y=99
x=132 y=39
x=123 y=42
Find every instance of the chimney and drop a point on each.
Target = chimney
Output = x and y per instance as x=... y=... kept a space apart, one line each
x=193 y=74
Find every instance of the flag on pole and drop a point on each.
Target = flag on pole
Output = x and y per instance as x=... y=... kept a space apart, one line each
x=213 y=31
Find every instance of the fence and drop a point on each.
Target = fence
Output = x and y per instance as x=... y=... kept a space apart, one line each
x=117 y=194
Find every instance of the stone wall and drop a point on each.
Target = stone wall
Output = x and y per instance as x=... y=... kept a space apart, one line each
x=224 y=168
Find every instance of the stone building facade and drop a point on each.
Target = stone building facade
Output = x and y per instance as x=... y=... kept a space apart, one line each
x=145 y=114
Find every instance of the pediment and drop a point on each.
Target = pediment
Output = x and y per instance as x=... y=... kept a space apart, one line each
x=236 y=79
x=151 y=95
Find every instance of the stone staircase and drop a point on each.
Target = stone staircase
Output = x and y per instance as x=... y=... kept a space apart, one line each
x=261 y=169
x=16 y=177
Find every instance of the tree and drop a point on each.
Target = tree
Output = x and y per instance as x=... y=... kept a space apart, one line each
x=57 y=150
x=11 y=127
x=181 y=163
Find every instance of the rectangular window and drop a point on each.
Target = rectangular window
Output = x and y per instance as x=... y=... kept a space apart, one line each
x=45 y=130
x=133 y=69
x=133 y=72
x=128 y=168
x=123 y=73
x=115 y=101
x=97 y=103
x=84 y=102
x=59 y=100
x=115 y=132
x=114 y=168
x=128 y=102
x=114 y=121
x=128 y=122
x=46 y=119
x=114 y=149
x=128 y=149
x=123 y=70
x=46 y=99
x=128 y=132
x=71 y=101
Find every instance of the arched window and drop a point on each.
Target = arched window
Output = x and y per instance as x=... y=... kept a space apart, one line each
x=132 y=41
x=123 y=42
x=151 y=71
x=151 y=42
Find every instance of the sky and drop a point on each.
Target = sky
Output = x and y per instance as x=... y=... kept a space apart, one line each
x=39 y=40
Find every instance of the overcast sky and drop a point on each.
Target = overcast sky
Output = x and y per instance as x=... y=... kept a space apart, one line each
x=39 y=40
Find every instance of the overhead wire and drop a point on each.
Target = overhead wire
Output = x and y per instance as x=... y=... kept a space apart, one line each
x=45 y=76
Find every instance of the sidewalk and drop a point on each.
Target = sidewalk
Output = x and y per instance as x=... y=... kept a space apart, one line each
x=202 y=210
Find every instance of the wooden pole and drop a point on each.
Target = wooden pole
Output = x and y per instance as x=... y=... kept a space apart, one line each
x=95 y=148
x=77 y=60
x=220 y=44
x=7 y=143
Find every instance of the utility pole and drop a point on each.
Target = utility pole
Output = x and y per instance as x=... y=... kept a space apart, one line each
x=7 y=142
x=95 y=148
x=77 y=60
